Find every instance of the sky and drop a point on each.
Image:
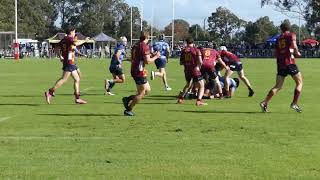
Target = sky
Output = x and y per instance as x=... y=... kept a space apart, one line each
x=195 y=11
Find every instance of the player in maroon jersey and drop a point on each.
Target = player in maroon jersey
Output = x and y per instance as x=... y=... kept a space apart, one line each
x=192 y=61
x=69 y=68
x=234 y=63
x=140 y=56
x=285 y=52
x=210 y=58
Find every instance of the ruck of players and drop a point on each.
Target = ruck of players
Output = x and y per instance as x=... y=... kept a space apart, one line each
x=208 y=70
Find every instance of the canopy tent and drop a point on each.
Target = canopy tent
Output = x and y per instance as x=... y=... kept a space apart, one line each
x=310 y=42
x=273 y=39
x=81 y=39
x=103 y=38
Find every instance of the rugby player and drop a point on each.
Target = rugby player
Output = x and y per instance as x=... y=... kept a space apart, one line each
x=210 y=58
x=115 y=67
x=234 y=64
x=192 y=61
x=140 y=56
x=212 y=92
x=69 y=68
x=161 y=62
x=285 y=51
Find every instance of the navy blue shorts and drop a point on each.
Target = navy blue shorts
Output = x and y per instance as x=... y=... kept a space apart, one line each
x=236 y=66
x=160 y=63
x=140 y=80
x=116 y=70
x=291 y=69
x=69 y=67
x=209 y=74
x=188 y=77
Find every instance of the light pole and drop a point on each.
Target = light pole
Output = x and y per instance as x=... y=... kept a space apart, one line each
x=16 y=44
x=141 y=16
x=172 y=26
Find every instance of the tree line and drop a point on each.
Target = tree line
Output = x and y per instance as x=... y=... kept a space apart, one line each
x=44 y=18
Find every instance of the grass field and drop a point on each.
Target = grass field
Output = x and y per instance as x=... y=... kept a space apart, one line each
x=228 y=139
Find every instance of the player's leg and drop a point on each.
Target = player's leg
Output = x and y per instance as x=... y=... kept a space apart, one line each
x=278 y=86
x=118 y=77
x=142 y=90
x=245 y=80
x=297 y=91
x=186 y=88
x=79 y=73
x=76 y=87
x=218 y=87
x=50 y=93
x=213 y=76
x=164 y=79
x=200 y=86
x=227 y=75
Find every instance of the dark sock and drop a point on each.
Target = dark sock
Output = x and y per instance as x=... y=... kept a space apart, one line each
x=269 y=96
x=296 y=96
x=111 y=85
x=77 y=96
x=51 y=91
x=130 y=98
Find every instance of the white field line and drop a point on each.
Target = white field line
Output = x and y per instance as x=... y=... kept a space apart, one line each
x=171 y=79
x=53 y=138
x=87 y=89
x=4 y=118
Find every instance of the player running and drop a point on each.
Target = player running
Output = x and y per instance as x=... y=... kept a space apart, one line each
x=235 y=64
x=192 y=61
x=286 y=50
x=164 y=49
x=140 y=56
x=210 y=58
x=69 y=68
x=115 y=67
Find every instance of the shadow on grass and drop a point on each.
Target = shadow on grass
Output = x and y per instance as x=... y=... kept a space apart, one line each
x=80 y=115
x=161 y=97
x=218 y=112
x=12 y=104
x=22 y=96
x=143 y=102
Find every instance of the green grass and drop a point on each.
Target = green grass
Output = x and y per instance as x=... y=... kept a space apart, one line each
x=228 y=139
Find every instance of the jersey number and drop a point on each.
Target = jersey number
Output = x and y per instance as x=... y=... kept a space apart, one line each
x=207 y=53
x=188 y=57
x=282 y=44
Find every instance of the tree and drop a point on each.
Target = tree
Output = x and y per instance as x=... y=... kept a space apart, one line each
x=313 y=17
x=223 y=23
x=34 y=17
x=259 y=31
x=181 y=29
x=198 y=33
x=307 y=9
